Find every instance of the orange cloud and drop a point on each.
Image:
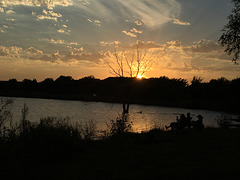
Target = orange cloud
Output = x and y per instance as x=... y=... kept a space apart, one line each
x=129 y=34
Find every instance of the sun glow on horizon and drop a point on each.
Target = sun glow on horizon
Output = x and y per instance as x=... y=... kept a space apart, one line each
x=139 y=76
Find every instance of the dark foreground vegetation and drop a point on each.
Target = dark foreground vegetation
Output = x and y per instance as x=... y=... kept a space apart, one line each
x=53 y=148
x=54 y=153
x=217 y=94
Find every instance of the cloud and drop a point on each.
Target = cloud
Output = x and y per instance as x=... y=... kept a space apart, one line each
x=47 y=14
x=3 y=28
x=60 y=31
x=54 y=14
x=84 y=2
x=10 y=12
x=30 y=53
x=177 y=21
x=113 y=43
x=42 y=17
x=55 y=41
x=1 y=10
x=205 y=56
x=12 y=51
x=92 y=57
x=96 y=22
x=152 y=13
x=143 y=45
x=33 y=53
x=129 y=34
x=11 y=19
x=202 y=57
x=78 y=49
x=176 y=45
x=3 y=51
x=139 y=23
x=32 y=50
x=204 y=46
x=50 y=4
x=51 y=58
x=172 y=57
x=60 y=41
x=134 y=30
x=73 y=43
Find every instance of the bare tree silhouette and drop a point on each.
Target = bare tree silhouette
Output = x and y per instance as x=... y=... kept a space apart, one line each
x=130 y=64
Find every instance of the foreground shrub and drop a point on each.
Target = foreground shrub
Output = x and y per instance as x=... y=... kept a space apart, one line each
x=87 y=130
x=156 y=126
x=119 y=126
x=48 y=130
x=223 y=121
x=5 y=114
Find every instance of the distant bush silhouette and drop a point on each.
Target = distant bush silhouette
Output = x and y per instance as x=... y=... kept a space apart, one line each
x=196 y=80
x=89 y=77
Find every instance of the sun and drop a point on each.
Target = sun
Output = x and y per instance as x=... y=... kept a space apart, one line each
x=139 y=76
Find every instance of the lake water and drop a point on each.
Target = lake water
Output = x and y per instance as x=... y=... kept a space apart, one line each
x=143 y=117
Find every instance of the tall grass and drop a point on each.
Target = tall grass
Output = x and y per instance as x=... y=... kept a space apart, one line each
x=223 y=121
x=5 y=115
x=47 y=128
x=54 y=128
x=120 y=126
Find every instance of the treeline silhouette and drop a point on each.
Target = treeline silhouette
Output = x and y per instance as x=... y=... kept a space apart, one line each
x=217 y=94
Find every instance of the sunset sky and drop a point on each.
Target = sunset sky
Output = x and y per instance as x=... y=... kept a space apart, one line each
x=49 y=38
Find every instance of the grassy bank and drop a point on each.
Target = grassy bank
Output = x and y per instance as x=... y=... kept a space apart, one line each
x=211 y=153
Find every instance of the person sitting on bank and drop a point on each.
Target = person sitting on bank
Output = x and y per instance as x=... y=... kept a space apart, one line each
x=188 y=120
x=199 y=123
x=173 y=125
x=178 y=124
x=200 y=118
x=182 y=118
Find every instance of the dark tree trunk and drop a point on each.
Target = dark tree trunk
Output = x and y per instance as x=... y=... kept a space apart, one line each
x=126 y=108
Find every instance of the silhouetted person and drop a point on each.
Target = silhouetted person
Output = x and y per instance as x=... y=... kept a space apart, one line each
x=182 y=119
x=173 y=125
x=200 y=118
x=199 y=123
x=179 y=124
x=188 y=120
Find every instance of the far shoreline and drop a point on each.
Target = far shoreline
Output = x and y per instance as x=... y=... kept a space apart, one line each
x=86 y=99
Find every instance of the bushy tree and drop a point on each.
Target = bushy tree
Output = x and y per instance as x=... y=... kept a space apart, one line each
x=231 y=32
